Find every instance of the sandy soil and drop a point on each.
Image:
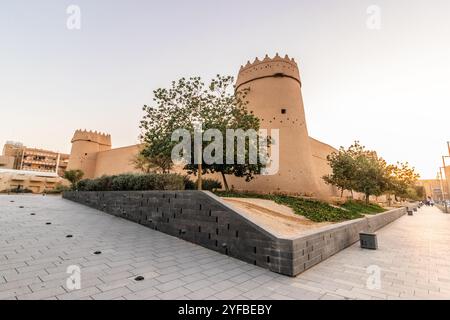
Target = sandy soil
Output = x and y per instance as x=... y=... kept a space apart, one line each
x=273 y=217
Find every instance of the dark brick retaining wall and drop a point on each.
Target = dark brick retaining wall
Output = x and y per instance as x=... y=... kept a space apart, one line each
x=202 y=218
x=316 y=246
x=198 y=217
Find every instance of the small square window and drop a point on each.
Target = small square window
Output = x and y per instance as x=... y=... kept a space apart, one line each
x=283 y=111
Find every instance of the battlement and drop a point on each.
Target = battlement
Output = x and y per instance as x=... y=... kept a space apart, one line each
x=268 y=67
x=92 y=136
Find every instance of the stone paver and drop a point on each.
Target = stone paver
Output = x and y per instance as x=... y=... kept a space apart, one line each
x=413 y=260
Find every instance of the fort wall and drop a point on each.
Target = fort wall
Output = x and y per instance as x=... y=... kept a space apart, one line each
x=117 y=161
x=274 y=96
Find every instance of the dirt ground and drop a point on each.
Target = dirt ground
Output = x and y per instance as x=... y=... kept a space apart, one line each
x=273 y=217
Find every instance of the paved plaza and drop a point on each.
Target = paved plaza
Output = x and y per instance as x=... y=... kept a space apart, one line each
x=413 y=260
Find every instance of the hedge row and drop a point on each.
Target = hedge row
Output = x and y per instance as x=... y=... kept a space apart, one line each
x=207 y=184
x=142 y=182
x=133 y=182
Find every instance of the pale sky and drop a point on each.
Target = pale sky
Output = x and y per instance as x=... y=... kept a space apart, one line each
x=388 y=88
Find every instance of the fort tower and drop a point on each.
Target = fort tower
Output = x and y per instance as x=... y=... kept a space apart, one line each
x=275 y=98
x=85 y=147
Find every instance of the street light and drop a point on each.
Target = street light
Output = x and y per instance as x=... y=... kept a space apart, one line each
x=439 y=176
x=442 y=188
x=446 y=178
x=445 y=173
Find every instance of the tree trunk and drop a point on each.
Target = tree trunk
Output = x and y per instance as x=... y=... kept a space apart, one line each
x=225 y=183
x=342 y=192
x=353 y=197
x=199 y=177
x=367 y=198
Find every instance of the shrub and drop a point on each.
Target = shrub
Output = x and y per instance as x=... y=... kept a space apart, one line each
x=59 y=188
x=81 y=185
x=123 y=182
x=207 y=184
x=211 y=184
x=103 y=183
x=74 y=176
x=53 y=191
x=189 y=184
x=133 y=182
x=19 y=190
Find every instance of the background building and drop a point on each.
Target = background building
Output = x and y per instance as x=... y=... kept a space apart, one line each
x=439 y=189
x=18 y=157
x=36 y=182
x=434 y=188
x=38 y=170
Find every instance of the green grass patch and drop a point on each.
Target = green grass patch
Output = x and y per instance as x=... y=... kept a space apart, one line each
x=314 y=210
x=362 y=207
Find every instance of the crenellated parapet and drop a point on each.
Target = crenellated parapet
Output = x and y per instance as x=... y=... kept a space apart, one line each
x=92 y=136
x=268 y=67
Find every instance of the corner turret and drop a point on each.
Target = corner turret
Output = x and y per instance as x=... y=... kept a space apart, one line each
x=268 y=67
x=275 y=97
x=85 y=147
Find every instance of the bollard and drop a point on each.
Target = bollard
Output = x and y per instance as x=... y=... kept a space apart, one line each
x=368 y=241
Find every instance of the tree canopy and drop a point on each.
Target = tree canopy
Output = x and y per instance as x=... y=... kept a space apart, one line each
x=190 y=102
x=74 y=176
x=361 y=170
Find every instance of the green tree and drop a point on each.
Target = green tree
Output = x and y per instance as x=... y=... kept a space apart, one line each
x=215 y=105
x=363 y=171
x=421 y=193
x=74 y=176
x=402 y=181
x=344 y=167
x=343 y=170
x=370 y=174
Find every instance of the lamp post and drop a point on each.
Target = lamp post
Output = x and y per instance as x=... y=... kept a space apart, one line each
x=445 y=173
x=442 y=189
x=439 y=176
x=446 y=178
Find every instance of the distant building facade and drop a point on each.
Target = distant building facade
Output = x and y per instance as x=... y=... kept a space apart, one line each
x=437 y=189
x=18 y=157
x=36 y=182
x=434 y=188
x=29 y=168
